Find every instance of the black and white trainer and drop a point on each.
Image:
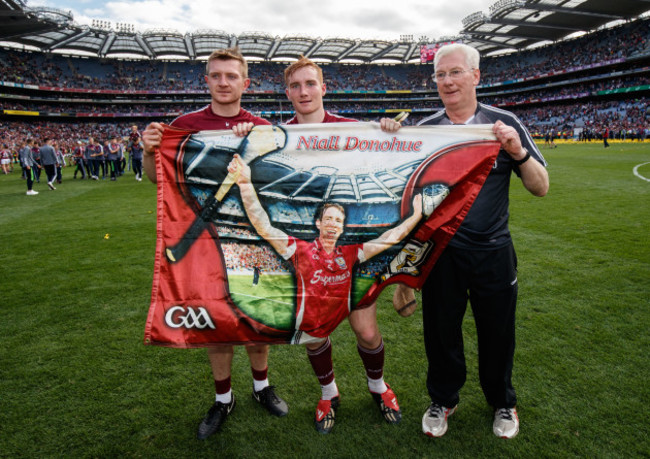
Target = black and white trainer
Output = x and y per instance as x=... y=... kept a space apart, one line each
x=271 y=402
x=215 y=418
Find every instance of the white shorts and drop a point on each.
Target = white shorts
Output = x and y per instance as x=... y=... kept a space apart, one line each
x=5 y=161
x=301 y=337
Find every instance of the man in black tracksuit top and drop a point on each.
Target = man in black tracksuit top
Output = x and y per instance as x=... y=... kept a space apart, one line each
x=479 y=263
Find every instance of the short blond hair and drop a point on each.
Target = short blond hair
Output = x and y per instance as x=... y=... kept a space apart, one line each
x=226 y=55
x=299 y=64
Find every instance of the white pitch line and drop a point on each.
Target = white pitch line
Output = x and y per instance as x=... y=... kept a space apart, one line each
x=259 y=298
x=636 y=172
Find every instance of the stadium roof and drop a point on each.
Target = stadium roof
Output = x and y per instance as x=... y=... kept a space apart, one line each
x=510 y=24
x=519 y=24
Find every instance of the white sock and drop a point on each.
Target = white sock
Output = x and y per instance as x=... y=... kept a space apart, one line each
x=224 y=398
x=378 y=386
x=329 y=391
x=259 y=385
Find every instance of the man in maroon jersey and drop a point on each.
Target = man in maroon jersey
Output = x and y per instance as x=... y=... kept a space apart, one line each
x=324 y=278
x=227 y=79
x=305 y=89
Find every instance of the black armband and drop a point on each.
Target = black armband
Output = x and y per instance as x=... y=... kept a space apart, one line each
x=522 y=160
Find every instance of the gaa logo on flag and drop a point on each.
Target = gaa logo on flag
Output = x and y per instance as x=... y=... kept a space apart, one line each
x=178 y=317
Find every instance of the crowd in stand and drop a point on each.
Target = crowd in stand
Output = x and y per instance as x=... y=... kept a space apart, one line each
x=521 y=97
x=626 y=41
x=246 y=257
x=602 y=46
x=561 y=107
x=629 y=119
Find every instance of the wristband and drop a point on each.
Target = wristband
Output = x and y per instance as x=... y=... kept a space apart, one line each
x=522 y=160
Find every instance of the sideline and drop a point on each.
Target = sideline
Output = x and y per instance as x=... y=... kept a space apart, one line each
x=636 y=172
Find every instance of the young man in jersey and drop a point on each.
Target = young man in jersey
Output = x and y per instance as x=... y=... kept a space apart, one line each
x=227 y=79
x=135 y=149
x=305 y=89
x=5 y=158
x=113 y=157
x=78 y=159
x=479 y=263
x=94 y=154
x=324 y=278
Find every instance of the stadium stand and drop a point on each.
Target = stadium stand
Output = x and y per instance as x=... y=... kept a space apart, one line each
x=576 y=87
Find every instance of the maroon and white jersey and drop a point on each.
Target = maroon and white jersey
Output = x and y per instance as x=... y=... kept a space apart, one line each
x=134 y=137
x=323 y=284
x=205 y=120
x=329 y=118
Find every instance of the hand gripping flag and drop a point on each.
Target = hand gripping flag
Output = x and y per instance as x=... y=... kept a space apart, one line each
x=218 y=280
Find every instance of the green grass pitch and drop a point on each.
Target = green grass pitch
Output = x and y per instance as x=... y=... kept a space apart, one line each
x=271 y=301
x=76 y=379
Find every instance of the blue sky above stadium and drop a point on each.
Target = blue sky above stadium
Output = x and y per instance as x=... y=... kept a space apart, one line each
x=366 y=19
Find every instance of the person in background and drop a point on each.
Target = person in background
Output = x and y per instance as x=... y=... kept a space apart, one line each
x=29 y=165
x=49 y=161
x=113 y=157
x=36 y=153
x=135 y=147
x=5 y=158
x=78 y=159
x=94 y=153
x=60 y=162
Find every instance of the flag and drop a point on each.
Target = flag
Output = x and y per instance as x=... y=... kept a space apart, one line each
x=217 y=281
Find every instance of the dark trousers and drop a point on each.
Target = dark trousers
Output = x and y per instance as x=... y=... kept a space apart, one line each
x=87 y=166
x=114 y=165
x=94 y=164
x=50 y=170
x=137 y=167
x=30 y=176
x=488 y=280
x=80 y=168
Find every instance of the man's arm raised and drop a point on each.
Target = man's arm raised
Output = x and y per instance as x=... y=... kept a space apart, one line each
x=256 y=213
x=395 y=235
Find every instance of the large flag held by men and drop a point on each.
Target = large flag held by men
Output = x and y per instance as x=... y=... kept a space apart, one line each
x=216 y=280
